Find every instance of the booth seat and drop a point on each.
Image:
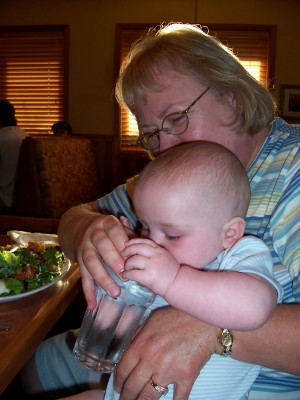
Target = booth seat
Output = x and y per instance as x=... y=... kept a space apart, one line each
x=53 y=174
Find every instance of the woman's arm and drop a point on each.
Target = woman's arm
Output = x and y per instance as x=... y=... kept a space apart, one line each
x=88 y=237
x=173 y=347
x=276 y=344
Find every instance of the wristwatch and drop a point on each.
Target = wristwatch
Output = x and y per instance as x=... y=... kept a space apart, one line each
x=226 y=341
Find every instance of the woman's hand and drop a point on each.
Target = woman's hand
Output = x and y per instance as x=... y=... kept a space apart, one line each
x=91 y=238
x=171 y=348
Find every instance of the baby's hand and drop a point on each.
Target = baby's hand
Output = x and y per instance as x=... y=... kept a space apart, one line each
x=149 y=264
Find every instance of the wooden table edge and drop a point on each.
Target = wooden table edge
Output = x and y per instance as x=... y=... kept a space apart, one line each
x=41 y=325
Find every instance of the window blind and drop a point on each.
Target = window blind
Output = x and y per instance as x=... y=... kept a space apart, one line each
x=252 y=48
x=33 y=74
x=253 y=44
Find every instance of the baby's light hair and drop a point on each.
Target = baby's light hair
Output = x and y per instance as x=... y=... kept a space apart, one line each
x=201 y=164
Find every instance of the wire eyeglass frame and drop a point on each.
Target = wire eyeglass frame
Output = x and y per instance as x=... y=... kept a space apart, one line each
x=178 y=123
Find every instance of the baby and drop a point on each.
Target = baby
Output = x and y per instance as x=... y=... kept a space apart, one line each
x=191 y=203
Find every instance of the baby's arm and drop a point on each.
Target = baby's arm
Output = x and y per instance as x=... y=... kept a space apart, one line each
x=230 y=299
x=236 y=300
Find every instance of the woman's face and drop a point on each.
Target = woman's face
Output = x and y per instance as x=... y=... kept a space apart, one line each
x=208 y=118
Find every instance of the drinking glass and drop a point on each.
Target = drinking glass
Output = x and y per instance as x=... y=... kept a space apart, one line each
x=107 y=330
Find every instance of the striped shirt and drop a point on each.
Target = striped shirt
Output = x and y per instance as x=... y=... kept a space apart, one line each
x=274 y=216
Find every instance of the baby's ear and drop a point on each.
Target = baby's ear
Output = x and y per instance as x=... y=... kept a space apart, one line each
x=125 y=221
x=233 y=231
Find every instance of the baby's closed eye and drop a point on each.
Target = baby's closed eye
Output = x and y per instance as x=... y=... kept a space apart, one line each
x=172 y=238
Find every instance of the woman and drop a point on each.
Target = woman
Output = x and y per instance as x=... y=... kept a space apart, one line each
x=183 y=85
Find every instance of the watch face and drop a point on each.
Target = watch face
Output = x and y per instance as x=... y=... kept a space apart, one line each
x=226 y=339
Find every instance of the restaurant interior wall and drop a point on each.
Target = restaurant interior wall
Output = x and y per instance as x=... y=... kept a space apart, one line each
x=92 y=26
x=92 y=40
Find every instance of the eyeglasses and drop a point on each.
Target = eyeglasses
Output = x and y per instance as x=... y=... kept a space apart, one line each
x=173 y=124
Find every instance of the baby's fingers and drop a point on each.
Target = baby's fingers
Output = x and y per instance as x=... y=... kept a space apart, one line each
x=143 y=249
x=135 y=262
x=134 y=275
x=140 y=240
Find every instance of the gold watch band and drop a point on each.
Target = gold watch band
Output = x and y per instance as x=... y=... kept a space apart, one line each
x=226 y=341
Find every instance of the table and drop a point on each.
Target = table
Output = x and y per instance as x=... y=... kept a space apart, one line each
x=31 y=318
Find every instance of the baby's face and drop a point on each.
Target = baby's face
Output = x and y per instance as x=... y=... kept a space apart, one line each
x=181 y=222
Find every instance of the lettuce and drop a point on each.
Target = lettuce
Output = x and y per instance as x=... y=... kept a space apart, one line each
x=14 y=285
x=26 y=268
x=9 y=263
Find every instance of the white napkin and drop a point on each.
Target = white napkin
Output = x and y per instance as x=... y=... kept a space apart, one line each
x=22 y=238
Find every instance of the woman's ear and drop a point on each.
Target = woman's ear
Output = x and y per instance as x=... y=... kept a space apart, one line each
x=233 y=231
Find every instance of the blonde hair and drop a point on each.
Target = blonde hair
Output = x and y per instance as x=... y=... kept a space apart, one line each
x=186 y=49
x=201 y=164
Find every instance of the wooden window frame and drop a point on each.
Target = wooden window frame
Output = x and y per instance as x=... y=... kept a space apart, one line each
x=215 y=29
x=34 y=112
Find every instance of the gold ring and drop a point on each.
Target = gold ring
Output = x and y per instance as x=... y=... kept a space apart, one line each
x=160 y=389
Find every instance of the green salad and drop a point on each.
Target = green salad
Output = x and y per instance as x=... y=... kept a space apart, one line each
x=26 y=268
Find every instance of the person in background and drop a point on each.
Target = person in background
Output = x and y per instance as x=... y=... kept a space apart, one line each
x=11 y=137
x=61 y=128
x=191 y=203
x=184 y=85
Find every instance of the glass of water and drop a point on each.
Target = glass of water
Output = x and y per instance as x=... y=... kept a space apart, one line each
x=106 y=331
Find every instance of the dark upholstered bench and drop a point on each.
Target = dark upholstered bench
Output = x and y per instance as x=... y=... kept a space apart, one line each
x=53 y=175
